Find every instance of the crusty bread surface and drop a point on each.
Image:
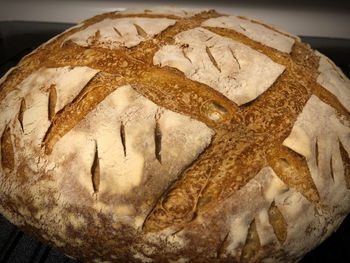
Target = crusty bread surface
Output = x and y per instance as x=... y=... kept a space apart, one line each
x=175 y=135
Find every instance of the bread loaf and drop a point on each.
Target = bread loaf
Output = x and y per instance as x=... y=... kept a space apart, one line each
x=175 y=135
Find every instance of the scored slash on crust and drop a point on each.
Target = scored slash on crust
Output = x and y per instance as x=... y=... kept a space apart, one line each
x=158 y=138
x=140 y=31
x=278 y=223
x=212 y=59
x=52 y=102
x=95 y=171
x=123 y=137
x=22 y=109
x=7 y=151
x=346 y=161
x=252 y=246
x=117 y=31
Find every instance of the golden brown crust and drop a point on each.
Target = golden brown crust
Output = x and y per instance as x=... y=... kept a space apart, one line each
x=250 y=251
x=278 y=223
x=7 y=152
x=248 y=138
x=346 y=161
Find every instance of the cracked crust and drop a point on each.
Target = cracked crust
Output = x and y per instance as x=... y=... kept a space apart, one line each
x=175 y=135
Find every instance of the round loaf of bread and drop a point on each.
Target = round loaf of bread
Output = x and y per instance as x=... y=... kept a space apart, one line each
x=175 y=135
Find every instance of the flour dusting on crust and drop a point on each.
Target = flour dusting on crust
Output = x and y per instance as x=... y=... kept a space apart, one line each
x=235 y=70
x=254 y=31
x=120 y=32
x=166 y=10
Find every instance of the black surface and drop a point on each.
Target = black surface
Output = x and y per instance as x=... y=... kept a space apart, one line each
x=337 y=49
x=19 y=38
x=17 y=247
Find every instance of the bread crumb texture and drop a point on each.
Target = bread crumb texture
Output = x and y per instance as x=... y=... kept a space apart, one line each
x=175 y=135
